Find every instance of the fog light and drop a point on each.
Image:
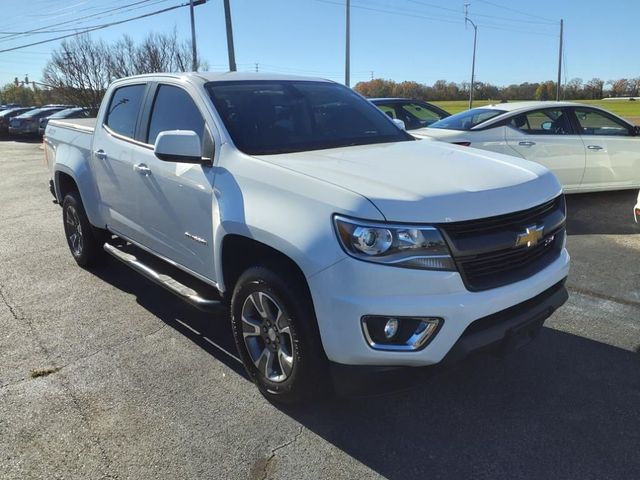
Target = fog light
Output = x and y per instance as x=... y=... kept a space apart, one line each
x=391 y=328
x=399 y=333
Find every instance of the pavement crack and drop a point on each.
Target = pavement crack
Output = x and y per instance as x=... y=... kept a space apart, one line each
x=63 y=383
x=602 y=296
x=271 y=456
x=23 y=318
x=94 y=437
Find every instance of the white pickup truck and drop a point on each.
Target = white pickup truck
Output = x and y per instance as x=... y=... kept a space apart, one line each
x=345 y=249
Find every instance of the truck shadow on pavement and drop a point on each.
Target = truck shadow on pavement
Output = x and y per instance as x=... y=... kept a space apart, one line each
x=562 y=407
x=602 y=213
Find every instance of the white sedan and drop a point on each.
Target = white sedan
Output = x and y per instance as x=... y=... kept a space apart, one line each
x=588 y=148
x=636 y=210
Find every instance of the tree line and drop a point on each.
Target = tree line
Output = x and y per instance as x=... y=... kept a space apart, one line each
x=575 y=89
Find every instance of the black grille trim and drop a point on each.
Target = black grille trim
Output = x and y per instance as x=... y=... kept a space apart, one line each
x=485 y=253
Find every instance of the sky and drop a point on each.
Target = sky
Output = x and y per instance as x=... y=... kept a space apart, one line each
x=421 y=40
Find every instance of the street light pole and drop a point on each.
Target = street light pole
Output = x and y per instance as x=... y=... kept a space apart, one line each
x=473 y=62
x=347 y=60
x=194 y=50
x=559 y=62
x=230 y=49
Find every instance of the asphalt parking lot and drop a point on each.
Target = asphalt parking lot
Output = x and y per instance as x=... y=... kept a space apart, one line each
x=144 y=387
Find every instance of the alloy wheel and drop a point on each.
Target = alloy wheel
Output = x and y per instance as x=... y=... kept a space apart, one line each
x=266 y=330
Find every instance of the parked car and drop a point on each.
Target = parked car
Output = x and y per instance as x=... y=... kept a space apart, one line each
x=636 y=210
x=7 y=106
x=74 y=112
x=413 y=113
x=7 y=115
x=588 y=148
x=28 y=122
x=344 y=248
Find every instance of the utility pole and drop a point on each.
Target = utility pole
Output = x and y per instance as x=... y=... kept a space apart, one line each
x=230 y=49
x=559 y=62
x=257 y=67
x=347 y=59
x=371 y=74
x=194 y=50
x=473 y=62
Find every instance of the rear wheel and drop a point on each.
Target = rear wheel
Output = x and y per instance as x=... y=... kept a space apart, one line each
x=85 y=241
x=275 y=330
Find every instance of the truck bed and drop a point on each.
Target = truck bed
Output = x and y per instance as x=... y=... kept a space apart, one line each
x=84 y=124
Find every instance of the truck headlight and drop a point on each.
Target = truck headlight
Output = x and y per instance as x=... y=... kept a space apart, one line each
x=409 y=246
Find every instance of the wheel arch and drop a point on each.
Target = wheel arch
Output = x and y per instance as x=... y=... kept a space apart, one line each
x=239 y=252
x=79 y=179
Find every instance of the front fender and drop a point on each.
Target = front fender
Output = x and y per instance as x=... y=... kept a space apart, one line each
x=285 y=210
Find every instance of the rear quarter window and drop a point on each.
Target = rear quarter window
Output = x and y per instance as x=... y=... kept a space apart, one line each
x=122 y=114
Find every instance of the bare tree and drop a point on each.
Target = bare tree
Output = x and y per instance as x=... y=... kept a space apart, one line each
x=82 y=68
x=79 y=71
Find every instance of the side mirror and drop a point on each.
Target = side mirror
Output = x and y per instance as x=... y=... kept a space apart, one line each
x=181 y=146
x=546 y=125
x=399 y=123
x=636 y=131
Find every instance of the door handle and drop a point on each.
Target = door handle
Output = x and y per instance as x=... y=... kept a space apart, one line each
x=100 y=154
x=142 y=169
x=594 y=147
x=527 y=144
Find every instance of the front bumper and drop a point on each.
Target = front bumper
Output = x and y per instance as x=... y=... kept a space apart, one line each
x=636 y=210
x=350 y=289
x=503 y=331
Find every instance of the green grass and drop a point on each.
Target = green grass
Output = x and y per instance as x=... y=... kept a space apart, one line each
x=624 y=108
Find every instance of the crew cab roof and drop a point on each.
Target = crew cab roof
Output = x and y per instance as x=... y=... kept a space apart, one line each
x=515 y=106
x=224 y=76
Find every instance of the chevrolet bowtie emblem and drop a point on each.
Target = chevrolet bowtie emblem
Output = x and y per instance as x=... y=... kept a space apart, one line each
x=531 y=236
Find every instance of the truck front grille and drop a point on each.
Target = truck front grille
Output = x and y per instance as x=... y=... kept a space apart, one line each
x=486 y=250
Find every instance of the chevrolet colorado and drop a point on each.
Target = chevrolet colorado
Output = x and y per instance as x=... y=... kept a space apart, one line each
x=344 y=248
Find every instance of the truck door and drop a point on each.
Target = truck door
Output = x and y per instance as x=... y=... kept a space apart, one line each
x=112 y=158
x=176 y=199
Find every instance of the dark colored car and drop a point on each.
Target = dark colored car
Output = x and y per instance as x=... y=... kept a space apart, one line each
x=29 y=122
x=7 y=106
x=414 y=113
x=74 y=112
x=7 y=115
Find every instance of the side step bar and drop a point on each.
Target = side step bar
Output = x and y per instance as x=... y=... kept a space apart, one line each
x=189 y=295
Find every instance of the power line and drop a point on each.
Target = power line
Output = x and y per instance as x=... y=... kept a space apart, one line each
x=433 y=18
x=98 y=27
x=497 y=5
x=78 y=20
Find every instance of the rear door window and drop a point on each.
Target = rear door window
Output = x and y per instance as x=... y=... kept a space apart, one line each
x=593 y=122
x=122 y=114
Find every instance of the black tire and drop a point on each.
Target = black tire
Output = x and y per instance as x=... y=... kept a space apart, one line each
x=308 y=376
x=86 y=245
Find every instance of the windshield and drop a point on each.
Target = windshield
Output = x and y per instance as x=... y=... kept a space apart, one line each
x=40 y=112
x=279 y=116
x=468 y=119
x=10 y=112
x=65 y=113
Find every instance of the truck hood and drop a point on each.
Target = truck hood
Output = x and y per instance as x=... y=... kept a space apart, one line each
x=424 y=181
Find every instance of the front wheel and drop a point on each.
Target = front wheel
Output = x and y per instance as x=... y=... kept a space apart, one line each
x=84 y=240
x=276 y=334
